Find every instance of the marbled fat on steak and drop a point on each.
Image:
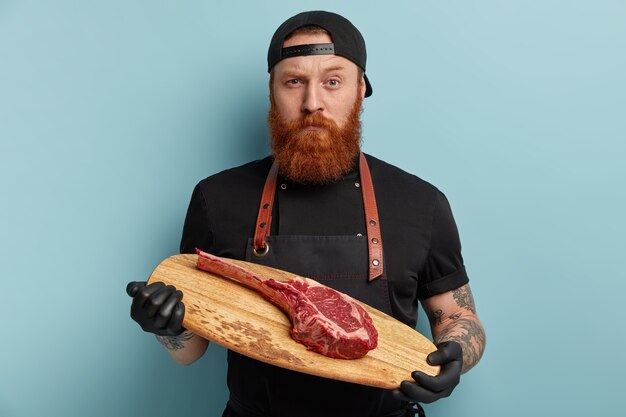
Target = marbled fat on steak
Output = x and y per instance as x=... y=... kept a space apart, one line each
x=326 y=321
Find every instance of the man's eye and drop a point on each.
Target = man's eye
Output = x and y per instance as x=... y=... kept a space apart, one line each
x=333 y=83
x=293 y=82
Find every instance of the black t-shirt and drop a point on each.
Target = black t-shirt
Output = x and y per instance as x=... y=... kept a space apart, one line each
x=422 y=250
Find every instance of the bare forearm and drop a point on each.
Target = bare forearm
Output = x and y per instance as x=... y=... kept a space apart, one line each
x=185 y=348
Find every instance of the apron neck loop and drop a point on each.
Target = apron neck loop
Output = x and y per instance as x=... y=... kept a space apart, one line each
x=372 y=221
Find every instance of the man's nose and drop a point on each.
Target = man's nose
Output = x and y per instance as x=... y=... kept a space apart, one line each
x=312 y=101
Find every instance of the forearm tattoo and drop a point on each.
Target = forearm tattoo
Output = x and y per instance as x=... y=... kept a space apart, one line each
x=466 y=331
x=464 y=299
x=175 y=342
x=435 y=317
x=470 y=335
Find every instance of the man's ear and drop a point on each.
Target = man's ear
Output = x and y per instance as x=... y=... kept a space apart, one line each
x=271 y=86
x=362 y=86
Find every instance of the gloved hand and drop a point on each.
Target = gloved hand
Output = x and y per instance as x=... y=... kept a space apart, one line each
x=157 y=307
x=426 y=388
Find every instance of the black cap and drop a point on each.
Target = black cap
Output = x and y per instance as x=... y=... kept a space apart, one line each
x=347 y=40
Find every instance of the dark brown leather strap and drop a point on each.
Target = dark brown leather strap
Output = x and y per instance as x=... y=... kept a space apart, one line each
x=372 y=222
x=264 y=218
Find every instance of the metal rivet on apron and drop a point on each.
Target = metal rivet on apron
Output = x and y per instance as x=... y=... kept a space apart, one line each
x=357 y=185
x=359 y=234
x=283 y=186
x=266 y=206
x=375 y=262
x=374 y=240
x=372 y=222
x=262 y=224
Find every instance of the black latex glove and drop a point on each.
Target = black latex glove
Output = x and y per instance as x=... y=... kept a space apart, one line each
x=426 y=388
x=157 y=307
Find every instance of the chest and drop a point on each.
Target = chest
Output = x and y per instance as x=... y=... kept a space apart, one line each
x=331 y=210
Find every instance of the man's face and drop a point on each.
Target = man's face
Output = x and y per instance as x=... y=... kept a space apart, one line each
x=324 y=84
x=314 y=118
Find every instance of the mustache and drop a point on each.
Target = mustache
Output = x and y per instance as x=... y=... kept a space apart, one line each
x=313 y=119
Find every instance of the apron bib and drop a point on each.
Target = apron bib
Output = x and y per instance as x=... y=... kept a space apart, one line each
x=350 y=264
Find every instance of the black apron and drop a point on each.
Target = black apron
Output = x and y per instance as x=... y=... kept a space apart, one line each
x=350 y=264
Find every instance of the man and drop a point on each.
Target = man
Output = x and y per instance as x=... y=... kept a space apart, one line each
x=332 y=210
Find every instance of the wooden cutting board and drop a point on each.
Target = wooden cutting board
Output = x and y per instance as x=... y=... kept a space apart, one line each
x=238 y=318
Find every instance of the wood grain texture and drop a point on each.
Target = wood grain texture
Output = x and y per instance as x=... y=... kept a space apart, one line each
x=238 y=318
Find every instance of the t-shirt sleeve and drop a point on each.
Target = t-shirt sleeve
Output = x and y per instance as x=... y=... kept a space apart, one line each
x=196 y=231
x=443 y=270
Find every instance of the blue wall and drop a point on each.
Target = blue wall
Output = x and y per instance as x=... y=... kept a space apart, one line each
x=110 y=112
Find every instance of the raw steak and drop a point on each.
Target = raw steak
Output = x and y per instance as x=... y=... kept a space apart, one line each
x=323 y=319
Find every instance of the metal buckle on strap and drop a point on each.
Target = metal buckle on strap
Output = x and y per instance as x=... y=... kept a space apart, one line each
x=262 y=252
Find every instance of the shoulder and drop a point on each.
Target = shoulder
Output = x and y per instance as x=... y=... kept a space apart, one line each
x=390 y=177
x=237 y=179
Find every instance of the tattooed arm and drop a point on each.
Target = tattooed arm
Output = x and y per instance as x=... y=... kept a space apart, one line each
x=185 y=348
x=460 y=341
x=453 y=318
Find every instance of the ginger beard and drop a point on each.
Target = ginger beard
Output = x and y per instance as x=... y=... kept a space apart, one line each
x=318 y=156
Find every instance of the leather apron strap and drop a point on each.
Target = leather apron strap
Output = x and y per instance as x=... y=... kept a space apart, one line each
x=264 y=218
x=372 y=221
